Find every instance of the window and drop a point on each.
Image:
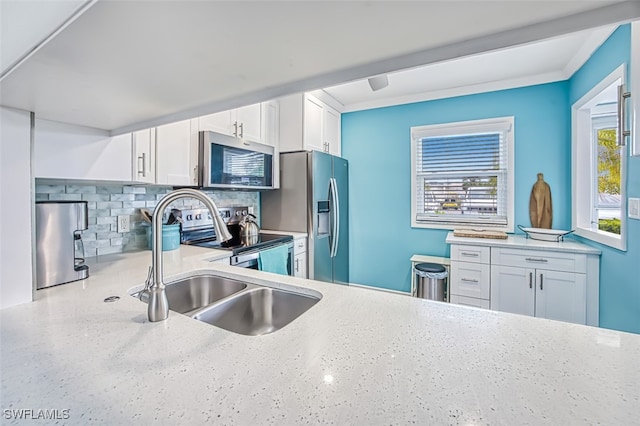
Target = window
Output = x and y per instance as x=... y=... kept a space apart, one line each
x=599 y=165
x=462 y=175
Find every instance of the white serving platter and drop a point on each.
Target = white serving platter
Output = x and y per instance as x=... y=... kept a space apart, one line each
x=545 y=234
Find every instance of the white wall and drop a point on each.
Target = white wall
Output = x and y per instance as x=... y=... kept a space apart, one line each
x=15 y=207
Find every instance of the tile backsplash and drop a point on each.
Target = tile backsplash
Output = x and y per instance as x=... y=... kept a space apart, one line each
x=106 y=202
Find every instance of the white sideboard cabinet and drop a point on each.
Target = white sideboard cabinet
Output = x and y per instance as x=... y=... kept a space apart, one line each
x=553 y=280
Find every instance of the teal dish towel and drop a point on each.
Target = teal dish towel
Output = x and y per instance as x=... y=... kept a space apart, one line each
x=274 y=260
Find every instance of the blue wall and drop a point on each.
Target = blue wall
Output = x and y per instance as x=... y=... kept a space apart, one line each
x=377 y=144
x=619 y=271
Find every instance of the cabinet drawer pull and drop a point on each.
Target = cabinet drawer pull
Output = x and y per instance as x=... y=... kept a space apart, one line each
x=300 y=245
x=468 y=280
x=530 y=279
x=541 y=278
x=536 y=259
x=467 y=254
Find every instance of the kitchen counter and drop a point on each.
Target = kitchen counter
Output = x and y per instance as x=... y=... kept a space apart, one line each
x=356 y=357
x=520 y=241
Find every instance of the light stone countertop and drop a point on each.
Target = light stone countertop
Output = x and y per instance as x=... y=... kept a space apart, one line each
x=520 y=241
x=357 y=357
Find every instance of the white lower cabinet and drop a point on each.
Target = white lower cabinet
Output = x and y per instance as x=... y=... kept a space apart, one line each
x=469 y=281
x=469 y=301
x=553 y=280
x=300 y=257
x=542 y=293
x=540 y=283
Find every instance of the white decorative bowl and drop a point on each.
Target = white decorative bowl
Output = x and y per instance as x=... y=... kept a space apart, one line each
x=544 y=234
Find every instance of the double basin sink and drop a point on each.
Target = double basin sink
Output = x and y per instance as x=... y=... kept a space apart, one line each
x=234 y=305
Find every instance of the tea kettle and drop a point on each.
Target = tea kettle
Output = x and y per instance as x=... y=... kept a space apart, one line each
x=249 y=230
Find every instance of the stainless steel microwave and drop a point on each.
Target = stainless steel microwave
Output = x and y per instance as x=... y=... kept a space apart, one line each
x=232 y=163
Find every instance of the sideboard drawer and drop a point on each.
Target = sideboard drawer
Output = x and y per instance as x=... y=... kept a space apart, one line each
x=476 y=254
x=542 y=259
x=470 y=279
x=469 y=301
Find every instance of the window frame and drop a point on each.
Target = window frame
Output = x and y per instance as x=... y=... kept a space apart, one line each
x=583 y=166
x=496 y=124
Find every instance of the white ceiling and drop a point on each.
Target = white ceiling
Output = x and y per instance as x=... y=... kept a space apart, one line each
x=127 y=65
x=539 y=62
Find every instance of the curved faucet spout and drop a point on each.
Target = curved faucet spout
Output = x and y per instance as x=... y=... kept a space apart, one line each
x=158 y=308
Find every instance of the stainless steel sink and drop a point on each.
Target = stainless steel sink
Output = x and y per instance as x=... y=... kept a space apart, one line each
x=257 y=311
x=191 y=294
x=235 y=306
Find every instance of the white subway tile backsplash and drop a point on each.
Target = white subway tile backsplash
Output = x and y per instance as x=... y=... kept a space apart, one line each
x=109 y=204
x=50 y=189
x=95 y=197
x=80 y=189
x=129 y=211
x=65 y=197
x=109 y=250
x=106 y=202
x=134 y=204
x=134 y=190
x=122 y=197
x=111 y=189
x=106 y=220
x=107 y=235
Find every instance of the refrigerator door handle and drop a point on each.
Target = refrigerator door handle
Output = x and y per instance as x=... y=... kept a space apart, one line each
x=335 y=210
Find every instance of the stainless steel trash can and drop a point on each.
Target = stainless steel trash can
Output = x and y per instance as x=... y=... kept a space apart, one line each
x=430 y=281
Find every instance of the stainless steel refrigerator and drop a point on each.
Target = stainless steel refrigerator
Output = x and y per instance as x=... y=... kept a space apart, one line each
x=313 y=198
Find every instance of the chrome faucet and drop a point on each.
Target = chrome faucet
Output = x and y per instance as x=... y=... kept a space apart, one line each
x=158 y=307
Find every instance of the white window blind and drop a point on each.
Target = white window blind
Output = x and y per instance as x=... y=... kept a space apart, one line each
x=462 y=174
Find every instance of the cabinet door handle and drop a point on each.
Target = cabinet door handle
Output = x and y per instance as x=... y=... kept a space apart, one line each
x=235 y=129
x=536 y=259
x=195 y=174
x=297 y=265
x=241 y=130
x=143 y=157
x=468 y=280
x=467 y=254
x=541 y=279
x=530 y=279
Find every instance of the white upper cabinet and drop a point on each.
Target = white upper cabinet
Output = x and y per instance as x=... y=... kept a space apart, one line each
x=249 y=123
x=220 y=122
x=144 y=147
x=308 y=123
x=271 y=123
x=177 y=153
x=332 y=129
x=312 y=124
x=245 y=123
x=65 y=151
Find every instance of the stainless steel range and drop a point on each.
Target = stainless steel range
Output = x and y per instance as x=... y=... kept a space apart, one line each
x=197 y=230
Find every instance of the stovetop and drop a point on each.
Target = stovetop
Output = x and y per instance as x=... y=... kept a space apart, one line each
x=206 y=238
x=197 y=230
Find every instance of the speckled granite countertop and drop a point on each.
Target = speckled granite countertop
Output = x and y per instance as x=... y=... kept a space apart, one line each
x=357 y=357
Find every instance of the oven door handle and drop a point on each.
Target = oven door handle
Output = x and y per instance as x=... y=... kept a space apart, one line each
x=254 y=255
x=244 y=258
